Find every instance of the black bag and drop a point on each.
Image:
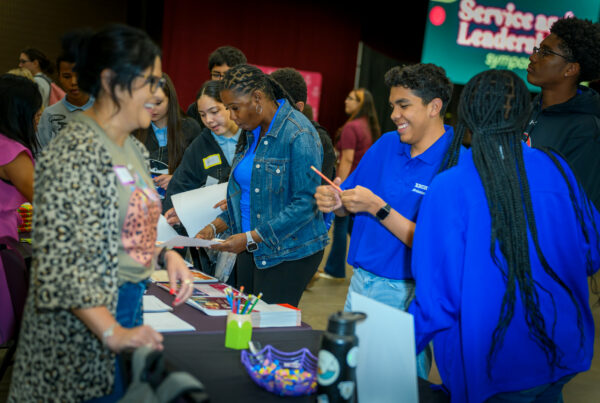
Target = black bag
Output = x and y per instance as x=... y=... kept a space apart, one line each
x=152 y=383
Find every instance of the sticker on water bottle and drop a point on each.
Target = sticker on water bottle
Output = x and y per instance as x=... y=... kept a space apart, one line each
x=352 y=356
x=329 y=368
x=346 y=389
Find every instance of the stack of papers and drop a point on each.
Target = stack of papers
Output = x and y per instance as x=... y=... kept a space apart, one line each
x=166 y=322
x=274 y=315
x=153 y=304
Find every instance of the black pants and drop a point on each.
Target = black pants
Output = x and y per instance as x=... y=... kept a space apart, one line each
x=280 y=284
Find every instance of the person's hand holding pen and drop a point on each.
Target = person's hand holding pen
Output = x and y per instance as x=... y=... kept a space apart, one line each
x=329 y=198
x=178 y=271
x=361 y=199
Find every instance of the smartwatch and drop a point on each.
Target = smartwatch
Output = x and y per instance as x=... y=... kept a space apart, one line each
x=383 y=212
x=251 y=246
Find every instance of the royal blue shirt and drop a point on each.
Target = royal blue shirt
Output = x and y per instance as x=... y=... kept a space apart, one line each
x=388 y=170
x=243 y=173
x=459 y=289
x=161 y=135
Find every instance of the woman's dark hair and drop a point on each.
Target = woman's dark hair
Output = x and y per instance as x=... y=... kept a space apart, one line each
x=124 y=50
x=211 y=88
x=176 y=143
x=36 y=54
x=580 y=41
x=366 y=109
x=244 y=79
x=20 y=100
x=494 y=106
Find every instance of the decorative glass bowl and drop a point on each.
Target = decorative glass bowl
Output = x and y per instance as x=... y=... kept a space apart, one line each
x=285 y=374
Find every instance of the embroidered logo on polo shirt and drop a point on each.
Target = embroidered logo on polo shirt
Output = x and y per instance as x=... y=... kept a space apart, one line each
x=211 y=161
x=420 y=189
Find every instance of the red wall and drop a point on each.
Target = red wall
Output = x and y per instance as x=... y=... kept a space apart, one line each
x=285 y=34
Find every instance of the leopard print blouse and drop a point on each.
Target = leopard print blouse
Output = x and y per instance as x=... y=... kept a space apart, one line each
x=76 y=239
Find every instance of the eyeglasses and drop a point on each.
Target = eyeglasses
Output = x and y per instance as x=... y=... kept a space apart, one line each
x=215 y=75
x=23 y=61
x=543 y=52
x=155 y=82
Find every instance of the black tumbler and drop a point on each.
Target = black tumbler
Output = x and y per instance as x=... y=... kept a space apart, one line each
x=337 y=359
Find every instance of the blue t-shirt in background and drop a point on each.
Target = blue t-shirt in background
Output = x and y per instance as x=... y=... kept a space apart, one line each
x=388 y=170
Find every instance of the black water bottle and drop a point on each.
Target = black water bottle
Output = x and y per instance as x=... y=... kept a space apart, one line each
x=336 y=375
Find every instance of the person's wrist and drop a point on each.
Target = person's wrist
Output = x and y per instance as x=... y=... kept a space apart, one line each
x=375 y=205
x=111 y=337
x=214 y=229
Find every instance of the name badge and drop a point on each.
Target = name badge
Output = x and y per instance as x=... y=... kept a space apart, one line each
x=124 y=175
x=211 y=161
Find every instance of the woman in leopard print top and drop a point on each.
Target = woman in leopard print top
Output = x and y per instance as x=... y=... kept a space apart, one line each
x=94 y=232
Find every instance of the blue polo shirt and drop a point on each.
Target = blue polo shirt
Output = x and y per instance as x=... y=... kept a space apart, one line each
x=243 y=172
x=388 y=170
x=161 y=135
x=227 y=144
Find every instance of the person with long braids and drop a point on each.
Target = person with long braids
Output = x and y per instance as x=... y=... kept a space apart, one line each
x=502 y=250
x=353 y=140
x=278 y=233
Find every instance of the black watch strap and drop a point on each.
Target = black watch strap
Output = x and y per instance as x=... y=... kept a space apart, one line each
x=383 y=212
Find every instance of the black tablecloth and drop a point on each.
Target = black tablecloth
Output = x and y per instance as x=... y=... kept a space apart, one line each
x=224 y=376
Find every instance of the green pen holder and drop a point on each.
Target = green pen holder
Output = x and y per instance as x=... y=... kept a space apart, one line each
x=238 y=331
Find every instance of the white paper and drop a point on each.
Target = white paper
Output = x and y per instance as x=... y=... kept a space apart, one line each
x=166 y=322
x=387 y=366
x=186 y=241
x=153 y=304
x=164 y=230
x=195 y=207
x=210 y=180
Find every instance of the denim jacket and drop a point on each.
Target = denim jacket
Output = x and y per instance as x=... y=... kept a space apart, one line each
x=282 y=205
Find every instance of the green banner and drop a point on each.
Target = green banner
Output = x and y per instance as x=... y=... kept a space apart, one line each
x=466 y=37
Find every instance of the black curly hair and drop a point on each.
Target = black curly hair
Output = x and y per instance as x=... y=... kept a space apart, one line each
x=580 y=41
x=293 y=82
x=427 y=81
x=226 y=55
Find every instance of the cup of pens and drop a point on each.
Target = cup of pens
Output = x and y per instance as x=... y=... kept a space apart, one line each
x=238 y=331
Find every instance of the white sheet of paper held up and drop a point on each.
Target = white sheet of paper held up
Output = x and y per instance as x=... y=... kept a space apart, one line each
x=386 y=365
x=195 y=207
x=164 y=230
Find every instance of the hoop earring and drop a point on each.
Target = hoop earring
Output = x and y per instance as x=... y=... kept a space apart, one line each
x=257 y=109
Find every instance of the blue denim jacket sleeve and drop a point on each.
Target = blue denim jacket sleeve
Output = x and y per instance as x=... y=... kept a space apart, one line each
x=306 y=150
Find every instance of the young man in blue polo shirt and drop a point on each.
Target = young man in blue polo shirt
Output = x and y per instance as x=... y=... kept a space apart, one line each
x=385 y=190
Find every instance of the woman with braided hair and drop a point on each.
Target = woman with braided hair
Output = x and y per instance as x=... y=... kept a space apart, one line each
x=503 y=247
x=278 y=233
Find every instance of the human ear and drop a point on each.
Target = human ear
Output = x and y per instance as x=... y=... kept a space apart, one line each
x=435 y=106
x=105 y=78
x=573 y=69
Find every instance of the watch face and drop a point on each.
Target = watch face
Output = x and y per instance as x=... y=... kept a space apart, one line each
x=251 y=247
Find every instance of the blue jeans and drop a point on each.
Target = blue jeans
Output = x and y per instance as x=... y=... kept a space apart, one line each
x=336 y=262
x=129 y=314
x=548 y=393
x=395 y=293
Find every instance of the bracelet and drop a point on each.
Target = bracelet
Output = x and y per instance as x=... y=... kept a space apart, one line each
x=214 y=229
x=160 y=260
x=107 y=333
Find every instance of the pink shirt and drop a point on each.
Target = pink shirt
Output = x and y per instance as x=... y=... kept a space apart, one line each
x=10 y=197
x=356 y=136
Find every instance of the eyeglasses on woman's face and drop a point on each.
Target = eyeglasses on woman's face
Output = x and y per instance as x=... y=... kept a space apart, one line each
x=154 y=81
